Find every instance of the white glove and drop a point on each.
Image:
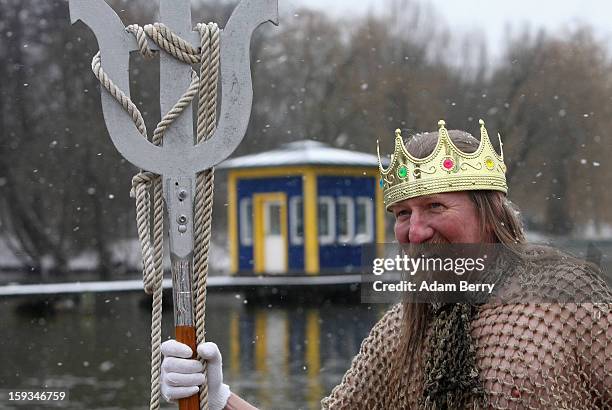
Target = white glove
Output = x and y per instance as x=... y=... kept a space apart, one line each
x=181 y=375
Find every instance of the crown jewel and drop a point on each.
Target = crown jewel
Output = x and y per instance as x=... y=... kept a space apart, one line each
x=446 y=169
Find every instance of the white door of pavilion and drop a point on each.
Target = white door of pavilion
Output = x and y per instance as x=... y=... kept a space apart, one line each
x=270 y=239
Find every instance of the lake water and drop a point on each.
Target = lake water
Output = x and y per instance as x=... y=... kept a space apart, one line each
x=97 y=349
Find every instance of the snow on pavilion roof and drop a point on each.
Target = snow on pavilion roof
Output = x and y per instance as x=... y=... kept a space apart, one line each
x=306 y=152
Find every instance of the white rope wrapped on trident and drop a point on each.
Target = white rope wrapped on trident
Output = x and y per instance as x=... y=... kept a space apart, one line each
x=143 y=183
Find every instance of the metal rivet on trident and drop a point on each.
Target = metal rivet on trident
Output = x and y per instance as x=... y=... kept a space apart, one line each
x=179 y=159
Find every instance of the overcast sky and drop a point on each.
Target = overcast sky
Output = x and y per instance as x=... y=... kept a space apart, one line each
x=493 y=16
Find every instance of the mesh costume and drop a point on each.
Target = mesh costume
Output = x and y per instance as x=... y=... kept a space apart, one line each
x=521 y=355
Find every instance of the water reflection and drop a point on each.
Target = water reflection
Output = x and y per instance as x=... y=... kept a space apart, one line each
x=276 y=357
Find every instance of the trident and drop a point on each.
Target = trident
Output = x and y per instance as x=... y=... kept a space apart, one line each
x=179 y=159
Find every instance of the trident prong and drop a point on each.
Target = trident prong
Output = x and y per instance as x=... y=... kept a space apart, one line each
x=115 y=46
x=236 y=87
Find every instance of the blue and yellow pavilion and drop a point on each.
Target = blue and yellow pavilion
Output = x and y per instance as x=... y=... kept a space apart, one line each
x=303 y=208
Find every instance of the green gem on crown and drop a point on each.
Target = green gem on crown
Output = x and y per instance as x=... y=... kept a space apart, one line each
x=402 y=171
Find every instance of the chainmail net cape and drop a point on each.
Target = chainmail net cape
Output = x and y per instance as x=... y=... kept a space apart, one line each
x=528 y=354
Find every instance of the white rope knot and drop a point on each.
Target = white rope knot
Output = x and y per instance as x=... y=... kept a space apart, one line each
x=141 y=39
x=172 y=44
x=147 y=185
x=141 y=180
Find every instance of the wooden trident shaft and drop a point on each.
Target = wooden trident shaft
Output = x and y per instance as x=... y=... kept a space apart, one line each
x=179 y=159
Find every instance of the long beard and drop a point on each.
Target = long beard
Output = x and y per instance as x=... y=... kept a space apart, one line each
x=436 y=248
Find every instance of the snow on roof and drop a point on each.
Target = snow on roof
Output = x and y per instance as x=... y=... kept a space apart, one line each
x=306 y=152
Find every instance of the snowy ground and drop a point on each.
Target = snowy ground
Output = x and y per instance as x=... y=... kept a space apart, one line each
x=126 y=256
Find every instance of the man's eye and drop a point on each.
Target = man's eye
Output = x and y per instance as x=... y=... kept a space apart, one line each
x=403 y=213
x=435 y=205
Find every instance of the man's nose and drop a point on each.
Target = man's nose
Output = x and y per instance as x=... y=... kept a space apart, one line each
x=420 y=231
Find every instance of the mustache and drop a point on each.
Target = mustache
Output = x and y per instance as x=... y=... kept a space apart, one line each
x=437 y=239
x=427 y=248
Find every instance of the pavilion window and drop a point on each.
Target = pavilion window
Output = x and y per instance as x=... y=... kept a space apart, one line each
x=346 y=219
x=246 y=222
x=326 y=220
x=364 y=232
x=296 y=228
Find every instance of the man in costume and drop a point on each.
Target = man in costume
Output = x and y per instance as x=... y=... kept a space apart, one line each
x=448 y=187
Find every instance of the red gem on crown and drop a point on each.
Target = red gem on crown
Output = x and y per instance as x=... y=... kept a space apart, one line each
x=448 y=163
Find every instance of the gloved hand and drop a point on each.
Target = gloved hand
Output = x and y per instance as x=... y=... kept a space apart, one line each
x=181 y=375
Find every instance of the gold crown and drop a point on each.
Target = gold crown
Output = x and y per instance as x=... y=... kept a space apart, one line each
x=446 y=169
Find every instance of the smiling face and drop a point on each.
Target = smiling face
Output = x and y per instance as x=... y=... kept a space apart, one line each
x=440 y=218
